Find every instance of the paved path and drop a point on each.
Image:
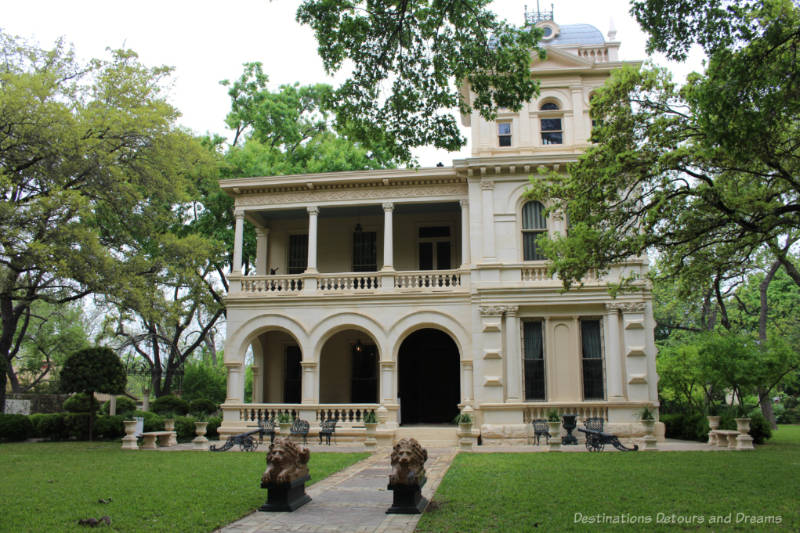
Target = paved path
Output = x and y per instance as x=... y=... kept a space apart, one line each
x=353 y=500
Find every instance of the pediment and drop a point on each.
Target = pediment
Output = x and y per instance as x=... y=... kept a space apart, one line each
x=557 y=59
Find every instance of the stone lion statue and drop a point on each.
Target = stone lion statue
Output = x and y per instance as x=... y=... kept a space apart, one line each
x=285 y=462
x=408 y=463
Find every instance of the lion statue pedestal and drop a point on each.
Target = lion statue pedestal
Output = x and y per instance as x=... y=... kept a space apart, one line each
x=285 y=477
x=407 y=477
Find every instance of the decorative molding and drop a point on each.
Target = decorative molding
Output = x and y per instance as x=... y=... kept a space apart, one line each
x=491 y=326
x=388 y=206
x=238 y=213
x=308 y=365
x=492 y=310
x=492 y=353
x=487 y=185
x=492 y=381
x=512 y=310
x=466 y=364
x=627 y=307
x=463 y=203
x=638 y=379
x=388 y=364
x=322 y=194
x=636 y=351
x=313 y=210
x=634 y=324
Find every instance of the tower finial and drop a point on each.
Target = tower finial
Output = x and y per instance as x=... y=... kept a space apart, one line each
x=612 y=30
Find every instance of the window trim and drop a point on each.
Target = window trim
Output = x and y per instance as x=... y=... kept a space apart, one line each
x=510 y=134
x=603 y=377
x=545 y=389
x=434 y=240
x=523 y=230
x=288 y=251
x=543 y=114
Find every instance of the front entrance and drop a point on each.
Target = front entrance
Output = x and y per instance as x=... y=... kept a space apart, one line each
x=428 y=378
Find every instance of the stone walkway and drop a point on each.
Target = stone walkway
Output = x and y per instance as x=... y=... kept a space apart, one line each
x=353 y=500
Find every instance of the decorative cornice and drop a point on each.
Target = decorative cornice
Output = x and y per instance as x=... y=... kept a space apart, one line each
x=487 y=185
x=492 y=310
x=627 y=307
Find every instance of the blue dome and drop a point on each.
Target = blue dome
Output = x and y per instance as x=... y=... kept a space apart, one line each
x=577 y=34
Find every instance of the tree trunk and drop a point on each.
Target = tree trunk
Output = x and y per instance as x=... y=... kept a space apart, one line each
x=763 y=395
x=765 y=402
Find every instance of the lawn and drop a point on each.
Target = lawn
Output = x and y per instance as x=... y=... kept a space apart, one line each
x=566 y=491
x=50 y=486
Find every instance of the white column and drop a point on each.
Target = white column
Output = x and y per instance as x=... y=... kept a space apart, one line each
x=613 y=355
x=468 y=383
x=388 y=237
x=262 y=251
x=465 y=258
x=238 y=240
x=487 y=210
x=308 y=388
x=235 y=382
x=258 y=385
x=313 y=213
x=387 y=382
x=513 y=356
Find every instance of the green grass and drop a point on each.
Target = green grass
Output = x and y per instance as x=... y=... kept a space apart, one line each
x=544 y=491
x=50 y=486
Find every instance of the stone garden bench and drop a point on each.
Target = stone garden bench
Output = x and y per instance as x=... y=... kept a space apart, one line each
x=165 y=439
x=731 y=439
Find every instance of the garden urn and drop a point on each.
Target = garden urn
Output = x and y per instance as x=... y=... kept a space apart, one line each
x=743 y=425
x=555 y=435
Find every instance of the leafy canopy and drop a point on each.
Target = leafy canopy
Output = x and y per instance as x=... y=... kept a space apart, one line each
x=410 y=60
x=94 y=370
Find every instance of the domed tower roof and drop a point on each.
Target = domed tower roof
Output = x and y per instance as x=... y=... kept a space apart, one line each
x=576 y=34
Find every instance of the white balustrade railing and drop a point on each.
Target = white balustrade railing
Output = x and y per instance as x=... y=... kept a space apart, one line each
x=599 y=54
x=272 y=284
x=584 y=411
x=347 y=415
x=348 y=282
x=535 y=273
x=428 y=279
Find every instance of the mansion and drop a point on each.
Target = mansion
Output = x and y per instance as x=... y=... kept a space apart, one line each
x=418 y=294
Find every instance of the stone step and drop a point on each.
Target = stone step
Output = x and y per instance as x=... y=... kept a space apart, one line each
x=430 y=436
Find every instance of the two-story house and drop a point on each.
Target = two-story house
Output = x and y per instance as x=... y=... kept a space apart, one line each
x=419 y=293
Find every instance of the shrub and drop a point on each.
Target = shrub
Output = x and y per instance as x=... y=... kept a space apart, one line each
x=15 y=427
x=789 y=416
x=202 y=407
x=759 y=428
x=790 y=402
x=170 y=405
x=51 y=426
x=125 y=406
x=77 y=403
x=202 y=380
x=110 y=427
x=152 y=421
x=685 y=426
x=184 y=428
x=213 y=425
x=77 y=425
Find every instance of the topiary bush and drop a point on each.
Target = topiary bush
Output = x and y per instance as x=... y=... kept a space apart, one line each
x=125 y=406
x=184 y=428
x=77 y=403
x=110 y=427
x=77 y=425
x=759 y=428
x=152 y=421
x=170 y=405
x=202 y=407
x=15 y=428
x=50 y=426
x=214 y=423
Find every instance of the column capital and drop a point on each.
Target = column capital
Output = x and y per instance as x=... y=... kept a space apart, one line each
x=388 y=206
x=512 y=310
x=387 y=365
x=491 y=310
x=627 y=307
x=262 y=232
x=308 y=365
x=466 y=364
x=487 y=185
x=313 y=210
x=463 y=203
x=238 y=213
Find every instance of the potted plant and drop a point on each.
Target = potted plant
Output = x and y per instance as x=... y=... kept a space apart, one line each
x=371 y=423
x=464 y=421
x=713 y=416
x=648 y=419
x=554 y=427
x=285 y=422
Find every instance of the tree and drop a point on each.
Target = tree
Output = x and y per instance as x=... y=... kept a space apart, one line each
x=91 y=165
x=706 y=174
x=427 y=51
x=93 y=370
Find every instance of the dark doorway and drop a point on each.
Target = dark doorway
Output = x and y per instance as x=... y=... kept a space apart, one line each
x=428 y=378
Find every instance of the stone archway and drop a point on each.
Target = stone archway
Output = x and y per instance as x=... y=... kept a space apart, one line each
x=428 y=378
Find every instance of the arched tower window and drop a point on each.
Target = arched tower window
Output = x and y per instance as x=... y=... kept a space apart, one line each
x=552 y=129
x=534 y=224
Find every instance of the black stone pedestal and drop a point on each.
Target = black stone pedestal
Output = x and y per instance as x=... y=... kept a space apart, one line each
x=407 y=499
x=285 y=496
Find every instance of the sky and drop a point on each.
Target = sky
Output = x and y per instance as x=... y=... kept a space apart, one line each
x=208 y=41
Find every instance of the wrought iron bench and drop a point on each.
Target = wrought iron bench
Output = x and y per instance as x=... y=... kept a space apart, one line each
x=299 y=429
x=328 y=430
x=245 y=440
x=596 y=439
x=540 y=430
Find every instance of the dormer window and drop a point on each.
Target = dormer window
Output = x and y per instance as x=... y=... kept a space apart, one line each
x=552 y=130
x=504 y=133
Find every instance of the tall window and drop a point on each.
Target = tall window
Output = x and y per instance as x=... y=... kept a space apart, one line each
x=534 y=360
x=298 y=253
x=592 y=358
x=504 y=133
x=364 y=251
x=552 y=131
x=533 y=225
x=434 y=248
x=292 y=375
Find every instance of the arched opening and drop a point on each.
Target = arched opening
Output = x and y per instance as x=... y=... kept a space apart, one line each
x=349 y=369
x=276 y=373
x=428 y=378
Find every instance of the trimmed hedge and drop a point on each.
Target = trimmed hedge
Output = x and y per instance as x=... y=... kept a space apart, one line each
x=170 y=405
x=50 y=426
x=152 y=421
x=202 y=406
x=685 y=426
x=15 y=428
x=77 y=403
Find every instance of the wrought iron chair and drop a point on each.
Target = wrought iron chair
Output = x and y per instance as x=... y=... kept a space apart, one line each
x=594 y=423
x=328 y=430
x=266 y=427
x=540 y=429
x=300 y=429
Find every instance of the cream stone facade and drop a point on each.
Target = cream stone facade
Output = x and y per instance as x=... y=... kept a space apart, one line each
x=420 y=293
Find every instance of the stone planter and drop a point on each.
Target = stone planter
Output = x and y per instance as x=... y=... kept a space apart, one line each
x=555 y=435
x=200 y=442
x=465 y=436
x=371 y=442
x=169 y=425
x=129 y=440
x=713 y=423
x=649 y=441
x=743 y=425
x=285 y=427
